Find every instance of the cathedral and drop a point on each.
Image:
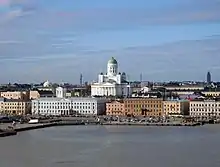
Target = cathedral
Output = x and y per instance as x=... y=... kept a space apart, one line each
x=113 y=83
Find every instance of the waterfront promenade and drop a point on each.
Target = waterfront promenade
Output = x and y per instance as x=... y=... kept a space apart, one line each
x=8 y=129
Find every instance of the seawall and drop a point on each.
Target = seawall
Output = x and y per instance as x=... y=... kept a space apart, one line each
x=26 y=127
x=5 y=133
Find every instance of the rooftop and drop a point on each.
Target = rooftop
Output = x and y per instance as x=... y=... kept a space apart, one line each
x=112 y=61
x=176 y=100
x=67 y=99
x=206 y=99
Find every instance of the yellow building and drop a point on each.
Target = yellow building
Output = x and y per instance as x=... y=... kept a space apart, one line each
x=211 y=93
x=115 y=108
x=143 y=106
x=19 y=95
x=15 y=106
x=34 y=95
x=176 y=107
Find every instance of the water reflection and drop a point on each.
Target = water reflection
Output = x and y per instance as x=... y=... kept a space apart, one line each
x=107 y=146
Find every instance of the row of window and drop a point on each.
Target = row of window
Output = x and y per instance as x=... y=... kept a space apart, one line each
x=139 y=110
x=115 y=109
x=143 y=106
x=65 y=107
x=63 y=112
x=205 y=109
x=171 y=109
x=15 y=107
x=145 y=102
x=171 y=105
x=204 y=114
x=205 y=105
x=13 y=104
x=62 y=103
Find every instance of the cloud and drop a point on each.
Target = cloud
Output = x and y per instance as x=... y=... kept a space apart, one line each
x=4 y=2
x=99 y=18
x=10 y=42
x=53 y=42
x=16 y=8
x=95 y=19
x=182 y=60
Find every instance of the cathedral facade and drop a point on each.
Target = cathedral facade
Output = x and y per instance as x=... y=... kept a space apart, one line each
x=113 y=83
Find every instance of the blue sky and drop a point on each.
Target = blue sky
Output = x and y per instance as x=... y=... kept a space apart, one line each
x=57 y=40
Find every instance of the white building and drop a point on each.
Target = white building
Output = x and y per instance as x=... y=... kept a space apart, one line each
x=88 y=106
x=111 y=84
x=61 y=92
x=205 y=108
x=62 y=106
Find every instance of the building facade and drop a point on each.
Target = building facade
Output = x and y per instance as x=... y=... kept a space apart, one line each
x=176 y=107
x=62 y=106
x=34 y=94
x=115 y=108
x=61 y=92
x=205 y=107
x=111 y=84
x=211 y=93
x=17 y=95
x=143 y=106
x=15 y=106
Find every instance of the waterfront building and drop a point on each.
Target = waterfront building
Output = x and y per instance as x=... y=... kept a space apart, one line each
x=51 y=106
x=205 y=107
x=115 y=108
x=113 y=83
x=135 y=107
x=63 y=106
x=176 y=107
x=14 y=106
x=89 y=105
x=143 y=106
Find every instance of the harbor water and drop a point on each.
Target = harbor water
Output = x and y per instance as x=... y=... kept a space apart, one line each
x=113 y=146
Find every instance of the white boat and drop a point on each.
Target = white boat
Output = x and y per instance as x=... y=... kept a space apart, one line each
x=33 y=121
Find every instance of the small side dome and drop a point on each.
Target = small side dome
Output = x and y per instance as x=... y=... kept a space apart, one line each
x=119 y=73
x=112 y=61
x=101 y=73
x=46 y=84
x=123 y=73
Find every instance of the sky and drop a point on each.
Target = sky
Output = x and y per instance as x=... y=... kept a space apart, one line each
x=57 y=40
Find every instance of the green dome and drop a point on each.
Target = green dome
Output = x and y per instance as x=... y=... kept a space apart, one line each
x=112 y=61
